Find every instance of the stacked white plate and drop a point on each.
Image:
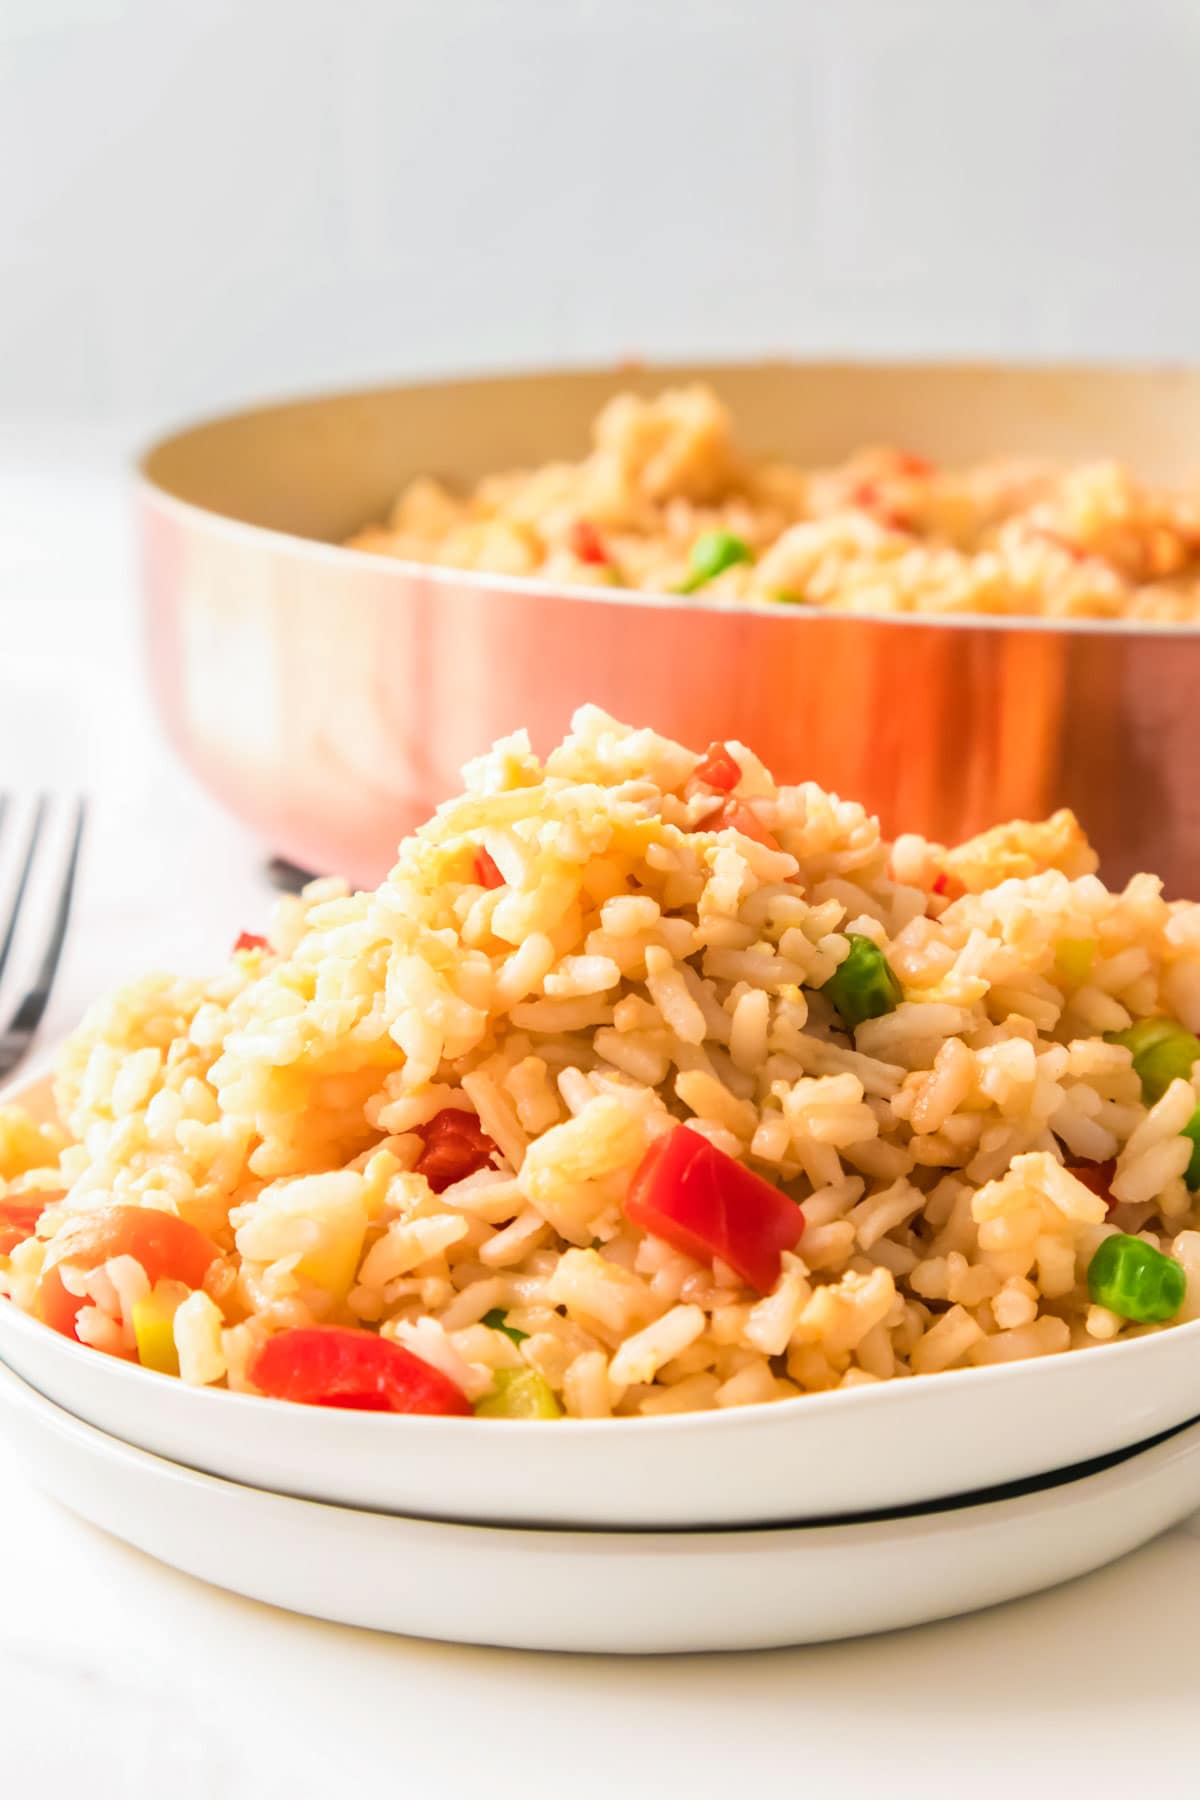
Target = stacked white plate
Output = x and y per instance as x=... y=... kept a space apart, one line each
x=815 y=1518
x=572 y=1587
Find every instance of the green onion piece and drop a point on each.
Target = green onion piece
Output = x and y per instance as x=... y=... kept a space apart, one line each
x=1163 y=1052
x=710 y=555
x=496 y=1321
x=1136 y=1281
x=1073 y=960
x=863 y=987
x=519 y=1394
x=784 y=599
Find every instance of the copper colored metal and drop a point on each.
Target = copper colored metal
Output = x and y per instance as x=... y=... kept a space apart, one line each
x=330 y=698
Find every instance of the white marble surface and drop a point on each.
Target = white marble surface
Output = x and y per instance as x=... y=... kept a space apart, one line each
x=119 y=1677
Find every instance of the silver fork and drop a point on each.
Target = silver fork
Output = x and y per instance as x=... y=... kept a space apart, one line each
x=16 y=1038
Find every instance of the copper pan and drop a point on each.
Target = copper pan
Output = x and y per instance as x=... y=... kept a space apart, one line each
x=329 y=697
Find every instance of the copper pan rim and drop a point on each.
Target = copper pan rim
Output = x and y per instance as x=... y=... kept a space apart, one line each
x=316 y=550
x=670 y=368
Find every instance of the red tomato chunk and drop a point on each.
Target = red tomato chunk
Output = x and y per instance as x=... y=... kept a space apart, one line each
x=1097 y=1177
x=487 y=874
x=168 y=1249
x=18 y=1218
x=743 y=818
x=250 y=940
x=718 y=769
x=340 y=1365
x=704 y=1203
x=456 y=1145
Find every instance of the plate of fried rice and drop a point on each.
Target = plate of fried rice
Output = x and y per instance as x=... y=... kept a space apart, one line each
x=645 y=1144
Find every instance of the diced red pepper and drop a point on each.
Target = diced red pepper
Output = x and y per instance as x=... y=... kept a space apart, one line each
x=456 y=1146
x=18 y=1218
x=907 y=462
x=341 y=1365
x=250 y=940
x=487 y=873
x=742 y=818
x=868 y=496
x=586 y=542
x=948 y=885
x=1097 y=1177
x=168 y=1249
x=718 y=768
x=706 y=1204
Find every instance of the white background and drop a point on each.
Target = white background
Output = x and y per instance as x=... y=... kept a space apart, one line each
x=207 y=200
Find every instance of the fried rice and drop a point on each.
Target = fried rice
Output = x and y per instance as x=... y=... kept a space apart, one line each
x=884 y=531
x=570 y=961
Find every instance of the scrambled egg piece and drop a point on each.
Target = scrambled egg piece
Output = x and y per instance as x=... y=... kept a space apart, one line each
x=25 y=1144
x=1022 y=848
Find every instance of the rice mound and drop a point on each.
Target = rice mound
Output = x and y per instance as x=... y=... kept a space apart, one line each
x=641 y=963
x=883 y=531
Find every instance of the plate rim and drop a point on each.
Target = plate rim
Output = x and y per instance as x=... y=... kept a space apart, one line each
x=1034 y=1493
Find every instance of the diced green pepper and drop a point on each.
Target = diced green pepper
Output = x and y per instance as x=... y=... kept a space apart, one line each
x=712 y=553
x=1163 y=1052
x=1073 y=960
x=863 y=987
x=782 y=598
x=519 y=1394
x=1136 y=1281
x=496 y=1320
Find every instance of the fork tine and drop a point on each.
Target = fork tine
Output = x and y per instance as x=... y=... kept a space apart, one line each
x=15 y=1041
x=35 y=832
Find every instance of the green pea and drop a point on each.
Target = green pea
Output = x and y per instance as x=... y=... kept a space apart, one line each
x=863 y=987
x=1136 y=1281
x=519 y=1394
x=711 y=554
x=1163 y=1052
x=497 y=1320
x=1192 y=1130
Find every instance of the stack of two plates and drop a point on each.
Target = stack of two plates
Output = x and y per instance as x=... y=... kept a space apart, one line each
x=810 y=1519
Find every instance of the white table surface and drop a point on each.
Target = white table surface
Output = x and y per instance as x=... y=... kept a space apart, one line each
x=119 y=1677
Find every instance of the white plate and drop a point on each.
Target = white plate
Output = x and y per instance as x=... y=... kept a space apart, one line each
x=828 y=1454
x=603 y=1591
x=894 y=1444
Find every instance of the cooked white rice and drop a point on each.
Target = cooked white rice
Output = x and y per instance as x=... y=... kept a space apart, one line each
x=641 y=964
x=884 y=531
